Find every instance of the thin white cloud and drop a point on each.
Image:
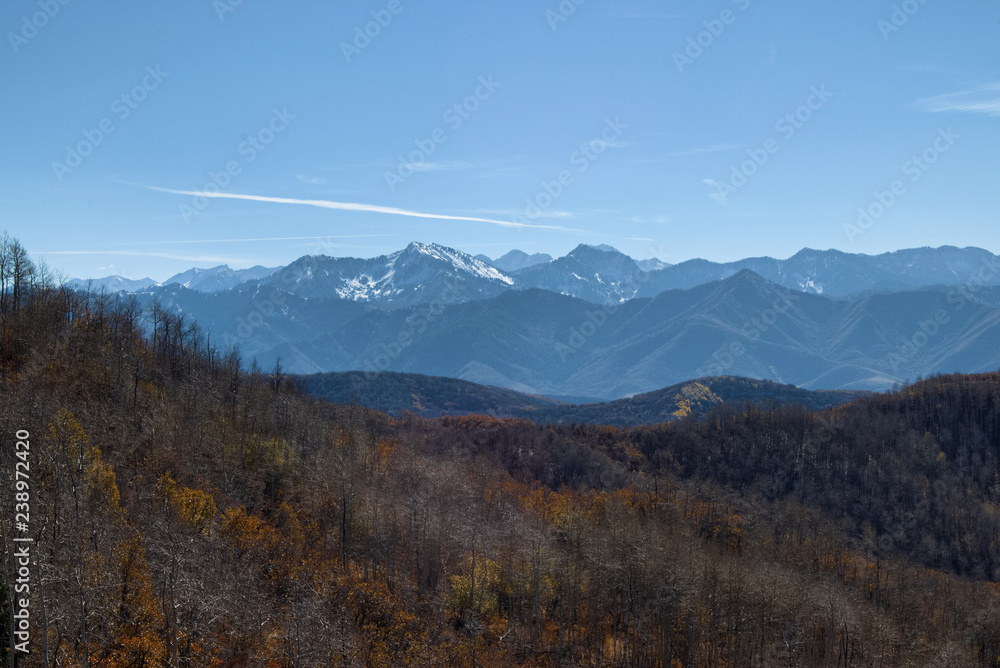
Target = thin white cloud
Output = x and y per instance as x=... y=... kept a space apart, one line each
x=218 y=259
x=353 y=206
x=984 y=99
x=227 y=241
x=513 y=212
x=713 y=148
x=446 y=166
x=311 y=180
x=720 y=195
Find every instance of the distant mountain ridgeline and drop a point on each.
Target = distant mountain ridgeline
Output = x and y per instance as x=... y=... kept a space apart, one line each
x=215 y=279
x=430 y=396
x=596 y=323
x=538 y=342
x=600 y=274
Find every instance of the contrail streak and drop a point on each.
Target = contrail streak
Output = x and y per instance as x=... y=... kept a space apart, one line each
x=351 y=206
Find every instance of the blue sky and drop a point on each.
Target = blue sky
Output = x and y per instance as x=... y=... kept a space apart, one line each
x=719 y=129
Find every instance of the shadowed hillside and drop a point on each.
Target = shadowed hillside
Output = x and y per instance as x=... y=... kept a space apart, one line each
x=430 y=396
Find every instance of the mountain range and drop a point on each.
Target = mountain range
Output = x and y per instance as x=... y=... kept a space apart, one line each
x=422 y=273
x=540 y=342
x=597 y=324
x=215 y=279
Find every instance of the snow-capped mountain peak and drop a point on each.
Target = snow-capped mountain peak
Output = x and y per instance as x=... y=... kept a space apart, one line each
x=460 y=262
x=419 y=273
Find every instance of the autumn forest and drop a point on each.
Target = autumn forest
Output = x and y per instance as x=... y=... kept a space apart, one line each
x=189 y=508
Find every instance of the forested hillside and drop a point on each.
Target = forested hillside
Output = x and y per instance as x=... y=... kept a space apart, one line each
x=187 y=512
x=434 y=396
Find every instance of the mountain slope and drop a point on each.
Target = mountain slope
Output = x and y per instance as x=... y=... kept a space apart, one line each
x=431 y=396
x=537 y=342
x=427 y=396
x=598 y=274
x=517 y=259
x=112 y=284
x=837 y=274
x=420 y=273
x=218 y=278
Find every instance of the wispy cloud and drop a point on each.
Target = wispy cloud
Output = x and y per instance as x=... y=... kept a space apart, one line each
x=513 y=212
x=349 y=166
x=445 y=166
x=983 y=99
x=720 y=195
x=713 y=148
x=654 y=220
x=353 y=206
x=218 y=259
x=229 y=241
x=311 y=180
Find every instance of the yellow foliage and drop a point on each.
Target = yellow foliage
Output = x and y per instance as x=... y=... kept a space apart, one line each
x=99 y=481
x=138 y=641
x=384 y=450
x=247 y=533
x=123 y=601
x=101 y=485
x=692 y=395
x=191 y=507
x=65 y=431
x=482 y=594
x=266 y=453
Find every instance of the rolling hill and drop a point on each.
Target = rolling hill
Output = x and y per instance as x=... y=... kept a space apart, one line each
x=431 y=396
